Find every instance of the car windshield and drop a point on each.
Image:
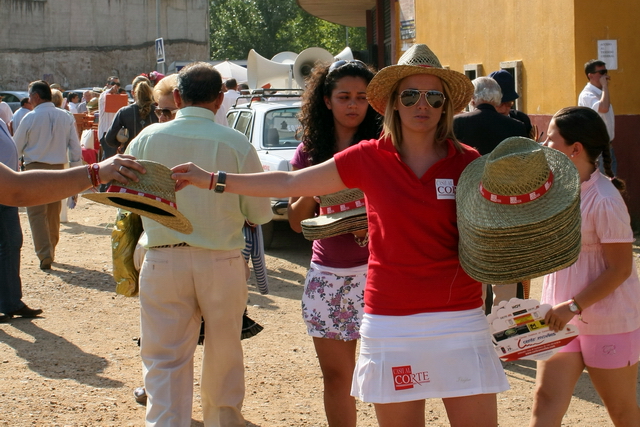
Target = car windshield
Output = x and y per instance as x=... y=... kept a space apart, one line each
x=281 y=128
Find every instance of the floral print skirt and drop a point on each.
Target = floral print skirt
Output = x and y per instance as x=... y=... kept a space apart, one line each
x=333 y=301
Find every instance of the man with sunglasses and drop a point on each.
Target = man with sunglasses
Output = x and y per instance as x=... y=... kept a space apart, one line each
x=596 y=96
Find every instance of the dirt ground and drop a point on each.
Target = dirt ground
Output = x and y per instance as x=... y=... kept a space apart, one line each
x=78 y=364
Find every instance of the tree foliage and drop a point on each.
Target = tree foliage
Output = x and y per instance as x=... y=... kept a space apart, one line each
x=272 y=26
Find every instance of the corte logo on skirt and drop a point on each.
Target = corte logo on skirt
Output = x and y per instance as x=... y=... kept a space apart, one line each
x=404 y=378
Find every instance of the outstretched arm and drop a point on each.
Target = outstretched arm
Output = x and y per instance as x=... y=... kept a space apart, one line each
x=39 y=187
x=319 y=179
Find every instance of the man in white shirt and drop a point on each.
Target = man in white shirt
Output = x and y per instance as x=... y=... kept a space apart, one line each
x=596 y=96
x=47 y=138
x=25 y=107
x=106 y=119
x=5 y=111
x=231 y=94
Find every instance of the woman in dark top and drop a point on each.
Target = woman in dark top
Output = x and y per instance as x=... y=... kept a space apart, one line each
x=134 y=117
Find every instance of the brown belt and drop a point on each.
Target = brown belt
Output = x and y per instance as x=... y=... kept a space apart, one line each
x=177 y=245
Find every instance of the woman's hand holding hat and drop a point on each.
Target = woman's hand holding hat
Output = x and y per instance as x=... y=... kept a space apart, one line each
x=191 y=174
x=118 y=168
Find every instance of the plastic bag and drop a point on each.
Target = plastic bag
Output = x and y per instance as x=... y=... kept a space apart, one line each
x=86 y=140
x=124 y=237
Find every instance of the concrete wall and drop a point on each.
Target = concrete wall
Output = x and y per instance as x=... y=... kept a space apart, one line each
x=80 y=43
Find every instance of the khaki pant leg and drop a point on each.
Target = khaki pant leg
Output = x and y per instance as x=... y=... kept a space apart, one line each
x=44 y=220
x=169 y=329
x=222 y=296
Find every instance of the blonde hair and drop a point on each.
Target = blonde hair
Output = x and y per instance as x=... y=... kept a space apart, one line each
x=165 y=86
x=56 y=98
x=392 y=124
x=141 y=89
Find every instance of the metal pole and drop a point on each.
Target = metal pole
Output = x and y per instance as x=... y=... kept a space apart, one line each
x=159 y=66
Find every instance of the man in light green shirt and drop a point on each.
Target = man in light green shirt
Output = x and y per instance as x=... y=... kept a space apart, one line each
x=185 y=276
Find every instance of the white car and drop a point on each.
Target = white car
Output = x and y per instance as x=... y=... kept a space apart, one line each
x=271 y=124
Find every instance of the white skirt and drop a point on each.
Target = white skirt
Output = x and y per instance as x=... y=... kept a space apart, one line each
x=426 y=355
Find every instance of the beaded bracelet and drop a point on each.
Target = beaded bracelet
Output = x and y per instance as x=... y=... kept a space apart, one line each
x=94 y=174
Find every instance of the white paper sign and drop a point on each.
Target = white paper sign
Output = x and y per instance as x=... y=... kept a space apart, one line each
x=608 y=53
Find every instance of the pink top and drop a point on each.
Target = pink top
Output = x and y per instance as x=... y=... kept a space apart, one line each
x=604 y=220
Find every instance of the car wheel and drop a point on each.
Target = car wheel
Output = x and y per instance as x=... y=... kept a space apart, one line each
x=267 y=234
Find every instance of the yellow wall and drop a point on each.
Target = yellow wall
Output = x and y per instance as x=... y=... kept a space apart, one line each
x=552 y=45
x=617 y=20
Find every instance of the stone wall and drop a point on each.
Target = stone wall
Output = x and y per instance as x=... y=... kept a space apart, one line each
x=80 y=43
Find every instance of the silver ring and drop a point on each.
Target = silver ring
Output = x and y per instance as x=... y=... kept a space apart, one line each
x=120 y=169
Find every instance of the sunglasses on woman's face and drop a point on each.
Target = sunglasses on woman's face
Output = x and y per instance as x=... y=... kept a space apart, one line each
x=165 y=112
x=410 y=97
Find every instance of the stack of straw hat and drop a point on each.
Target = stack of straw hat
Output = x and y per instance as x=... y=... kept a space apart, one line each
x=340 y=213
x=518 y=213
x=153 y=196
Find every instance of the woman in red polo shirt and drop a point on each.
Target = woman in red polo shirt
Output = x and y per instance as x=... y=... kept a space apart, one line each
x=424 y=333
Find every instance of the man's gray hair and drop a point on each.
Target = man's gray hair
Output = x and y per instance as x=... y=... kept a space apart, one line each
x=487 y=91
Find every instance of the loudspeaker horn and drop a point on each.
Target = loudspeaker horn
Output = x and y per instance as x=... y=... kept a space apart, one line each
x=306 y=60
x=346 y=54
x=285 y=57
x=261 y=71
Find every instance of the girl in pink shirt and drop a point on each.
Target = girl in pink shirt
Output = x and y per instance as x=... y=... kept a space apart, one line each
x=600 y=293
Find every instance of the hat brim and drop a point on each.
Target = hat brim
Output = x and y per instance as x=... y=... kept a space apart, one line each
x=325 y=220
x=144 y=206
x=335 y=228
x=459 y=87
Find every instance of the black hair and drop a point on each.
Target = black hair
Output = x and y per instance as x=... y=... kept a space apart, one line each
x=199 y=83
x=42 y=88
x=590 y=66
x=584 y=125
x=231 y=84
x=24 y=101
x=317 y=121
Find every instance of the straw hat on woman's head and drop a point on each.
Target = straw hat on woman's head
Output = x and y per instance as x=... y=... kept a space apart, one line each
x=518 y=213
x=419 y=59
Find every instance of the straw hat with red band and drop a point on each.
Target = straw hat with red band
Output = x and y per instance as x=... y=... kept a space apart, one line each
x=418 y=59
x=153 y=197
x=340 y=213
x=518 y=213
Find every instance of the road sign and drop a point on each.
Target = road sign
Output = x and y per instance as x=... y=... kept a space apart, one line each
x=160 y=50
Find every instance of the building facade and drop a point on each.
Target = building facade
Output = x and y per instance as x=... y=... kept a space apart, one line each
x=543 y=43
x=80 y=43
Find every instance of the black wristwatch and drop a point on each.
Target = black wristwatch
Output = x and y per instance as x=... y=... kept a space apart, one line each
x=220 y=182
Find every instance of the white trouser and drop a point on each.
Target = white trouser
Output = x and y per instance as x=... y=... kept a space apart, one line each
x=177 y=287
